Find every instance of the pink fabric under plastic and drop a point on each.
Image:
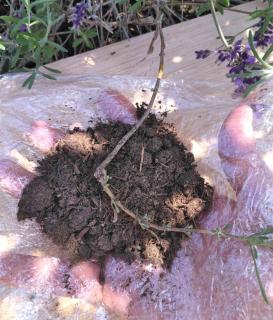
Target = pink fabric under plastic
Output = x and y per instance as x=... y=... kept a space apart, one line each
x=210 y=278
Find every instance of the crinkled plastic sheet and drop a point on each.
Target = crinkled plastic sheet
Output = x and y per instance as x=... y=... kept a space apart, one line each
x=210 y=278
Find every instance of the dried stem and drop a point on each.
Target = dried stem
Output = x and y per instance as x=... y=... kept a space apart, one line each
x=258 y=239
x=100 y=173
x=141 y=158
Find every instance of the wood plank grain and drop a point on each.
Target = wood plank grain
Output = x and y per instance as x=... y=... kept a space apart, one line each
x=181 y=41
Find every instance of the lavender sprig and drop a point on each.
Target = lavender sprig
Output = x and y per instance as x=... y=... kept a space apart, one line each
x=78 y=14
x=240 y=59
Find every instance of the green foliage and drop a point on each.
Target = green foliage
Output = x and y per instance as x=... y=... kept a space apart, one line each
x=205 y=7
x=26 y=40
x=36 y=32
x=263 y=238
x=254 y=255
x=136 y=6
x=246 y=70
x=33 y=36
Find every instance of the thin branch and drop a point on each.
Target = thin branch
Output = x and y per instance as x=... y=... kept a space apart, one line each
x=218 y=232
x=141 y=158
x=100 y=173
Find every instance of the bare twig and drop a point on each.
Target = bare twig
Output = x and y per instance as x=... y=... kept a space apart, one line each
x=219 y=232
x=100 y=173
x=141 y=158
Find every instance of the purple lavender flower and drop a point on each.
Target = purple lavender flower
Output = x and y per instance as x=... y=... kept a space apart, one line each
x=259 y=108
x=18 y=14
x=202 y=54
x=248 y=58
x=236 y=50
x=263 y=39
x=237 y=59
x=230 y=54
x=223 y=55
x=23 y=28
x=78 y=14
x=240 y=87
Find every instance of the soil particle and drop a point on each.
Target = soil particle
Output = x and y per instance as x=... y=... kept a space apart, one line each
x=153 y=175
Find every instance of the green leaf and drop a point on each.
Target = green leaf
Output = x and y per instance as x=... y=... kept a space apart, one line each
x=77 y=42
x=15 y=57
x=85 y=39
x=254 y=252
x=37 y=57
x=2 y=47
x=37 y=2
x=261 y=13
x=27 y=40
x=267 y=230
x=265 y=25
x=57 y=46
x=268 y=53
x=254 y=255
x=250 y=74
x=91 y=33
x=26 y=2
x=48 y=53
x=256 y=14
x=220 y=8
x=30 y=80
x=252 y=87
x=230 y=39
x=257 y=240
x=28 y=36
x=203 y=8
x=135 y=7
x=227 y=227
x=52 y=70
x=9 y=19
x=255 y=53
x=58 y=19
x=16 y=26
x=38 y=19
x=48 y=76
x=120 y=2
x=224 y=3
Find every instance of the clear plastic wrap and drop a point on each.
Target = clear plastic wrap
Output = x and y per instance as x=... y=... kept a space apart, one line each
x=210 y=279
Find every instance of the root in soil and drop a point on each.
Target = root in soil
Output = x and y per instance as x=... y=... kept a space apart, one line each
x=153 y=175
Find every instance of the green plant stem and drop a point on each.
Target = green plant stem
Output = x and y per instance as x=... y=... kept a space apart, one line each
x=268 y=53
x=28 y=14
x=253 y=255
x=255 y=53
x=216 y=22
x=220 y=233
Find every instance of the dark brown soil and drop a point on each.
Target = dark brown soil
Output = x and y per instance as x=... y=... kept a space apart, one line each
x=163 y=188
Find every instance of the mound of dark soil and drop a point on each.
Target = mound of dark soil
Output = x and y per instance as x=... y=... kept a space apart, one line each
x=153 y=175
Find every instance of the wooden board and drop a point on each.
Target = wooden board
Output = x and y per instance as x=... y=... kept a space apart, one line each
x=126 y=57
